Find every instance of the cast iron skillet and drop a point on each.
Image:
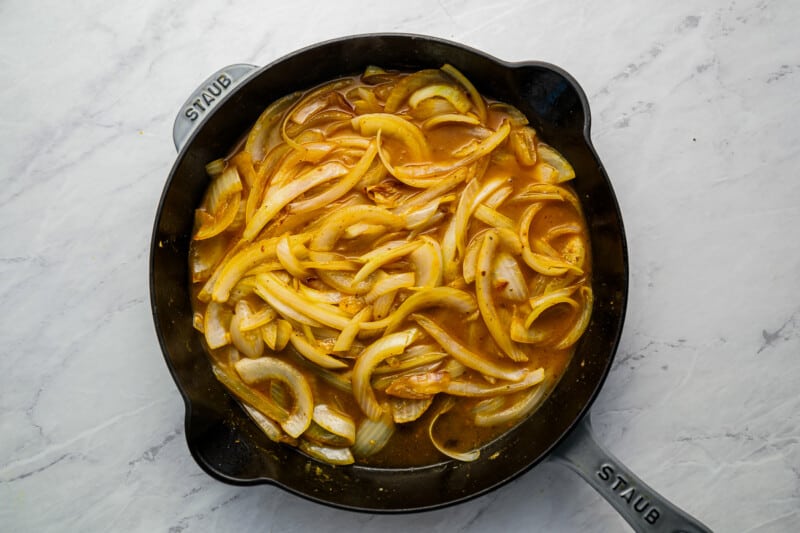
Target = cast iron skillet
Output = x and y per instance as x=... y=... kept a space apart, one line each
x=227 y=445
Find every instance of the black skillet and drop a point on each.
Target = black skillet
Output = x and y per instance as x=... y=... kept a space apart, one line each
x=227 y=445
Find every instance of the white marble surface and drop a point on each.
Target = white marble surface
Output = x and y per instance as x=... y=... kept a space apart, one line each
x=696 y=109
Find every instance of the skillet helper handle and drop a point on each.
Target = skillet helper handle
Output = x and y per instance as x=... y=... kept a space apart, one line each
x=205 y=98
x=642 y=507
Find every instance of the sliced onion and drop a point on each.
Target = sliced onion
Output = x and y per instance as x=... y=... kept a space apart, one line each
x=336 y=423
x=427 y=260
x=552 y=157
x=450 y=118
x=268 y=285
x=220 y=206
x=286 y=257
x=483 y=292
x=339 y=189
x=249 y=343
x=250 y=396
x=419 y=386
x=475 y=96
x=456 y=98
x=216 y=334
x=543 y=264
x=583 y=320
x=275 y=200
x=394 y=126
x=387 y=283
x=474 y=389
x=373 y=355
x=519 y=409
x=383 y=255
x=313 y=353
x=414 y=356
x=255 y=371
x=509 y=278
x=455 y=299
x=543 y=302
x=523 y=143
x=493 y=218
x=467 y=357
x=270 y=428
x=334 y=224
x=345 y=339
x=408 y=85
x=411 y=171
x=469 y=456
x=405 y=410
x=327 y=454
x=373 y=435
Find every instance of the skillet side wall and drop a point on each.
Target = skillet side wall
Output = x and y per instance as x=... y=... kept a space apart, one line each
x=224 y=441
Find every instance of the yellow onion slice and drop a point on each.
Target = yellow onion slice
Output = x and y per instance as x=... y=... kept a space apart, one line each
x=220 y=206
x=373 y=355
x=333 y=225
x=389 y=283
x=373 y=435
x=348 y=334
x=410 y=171
x=419 y=385
x=290 y=262
x=249 y=396
x=254 y=371
x=520 y=408
x=450 y=118
x=548 y=266
x=483 y=292
x=428 y=263
x=327 y=454
x=313 y=353
x=408 y=85
x=583 y=320
x=394 y=126
x=552 y=157
x=385 y=254
x=456 y=98
x=341 y=188
x=214 y=329
x=475 y=96
x=493 y=218
x=508 y=278
x=405 y=410
x=249 y=343
x=455 y=299
x=467 y=357
x=270 y=428
x=543 y=302
x=468 y=456
x=269 y=284
x=204 y=256
x=245 y=258
x=523 y=143
x=474 y=389
x=261 y=136
x=335 y=422
x=276 y=200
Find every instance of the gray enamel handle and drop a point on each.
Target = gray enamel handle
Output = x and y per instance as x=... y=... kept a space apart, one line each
x=643 y=508
x=205 y=98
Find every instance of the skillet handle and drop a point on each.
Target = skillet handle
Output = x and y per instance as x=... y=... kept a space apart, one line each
x=207 y=96
x=642 y=507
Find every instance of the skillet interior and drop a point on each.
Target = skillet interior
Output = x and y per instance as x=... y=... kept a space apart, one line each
x=225 y=442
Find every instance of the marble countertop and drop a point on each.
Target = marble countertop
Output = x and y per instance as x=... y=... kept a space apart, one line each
x=695 y=108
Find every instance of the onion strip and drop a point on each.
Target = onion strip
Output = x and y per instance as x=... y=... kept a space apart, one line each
x=467 y=357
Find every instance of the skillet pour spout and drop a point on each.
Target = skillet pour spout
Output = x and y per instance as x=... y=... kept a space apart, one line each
x=223 y=440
